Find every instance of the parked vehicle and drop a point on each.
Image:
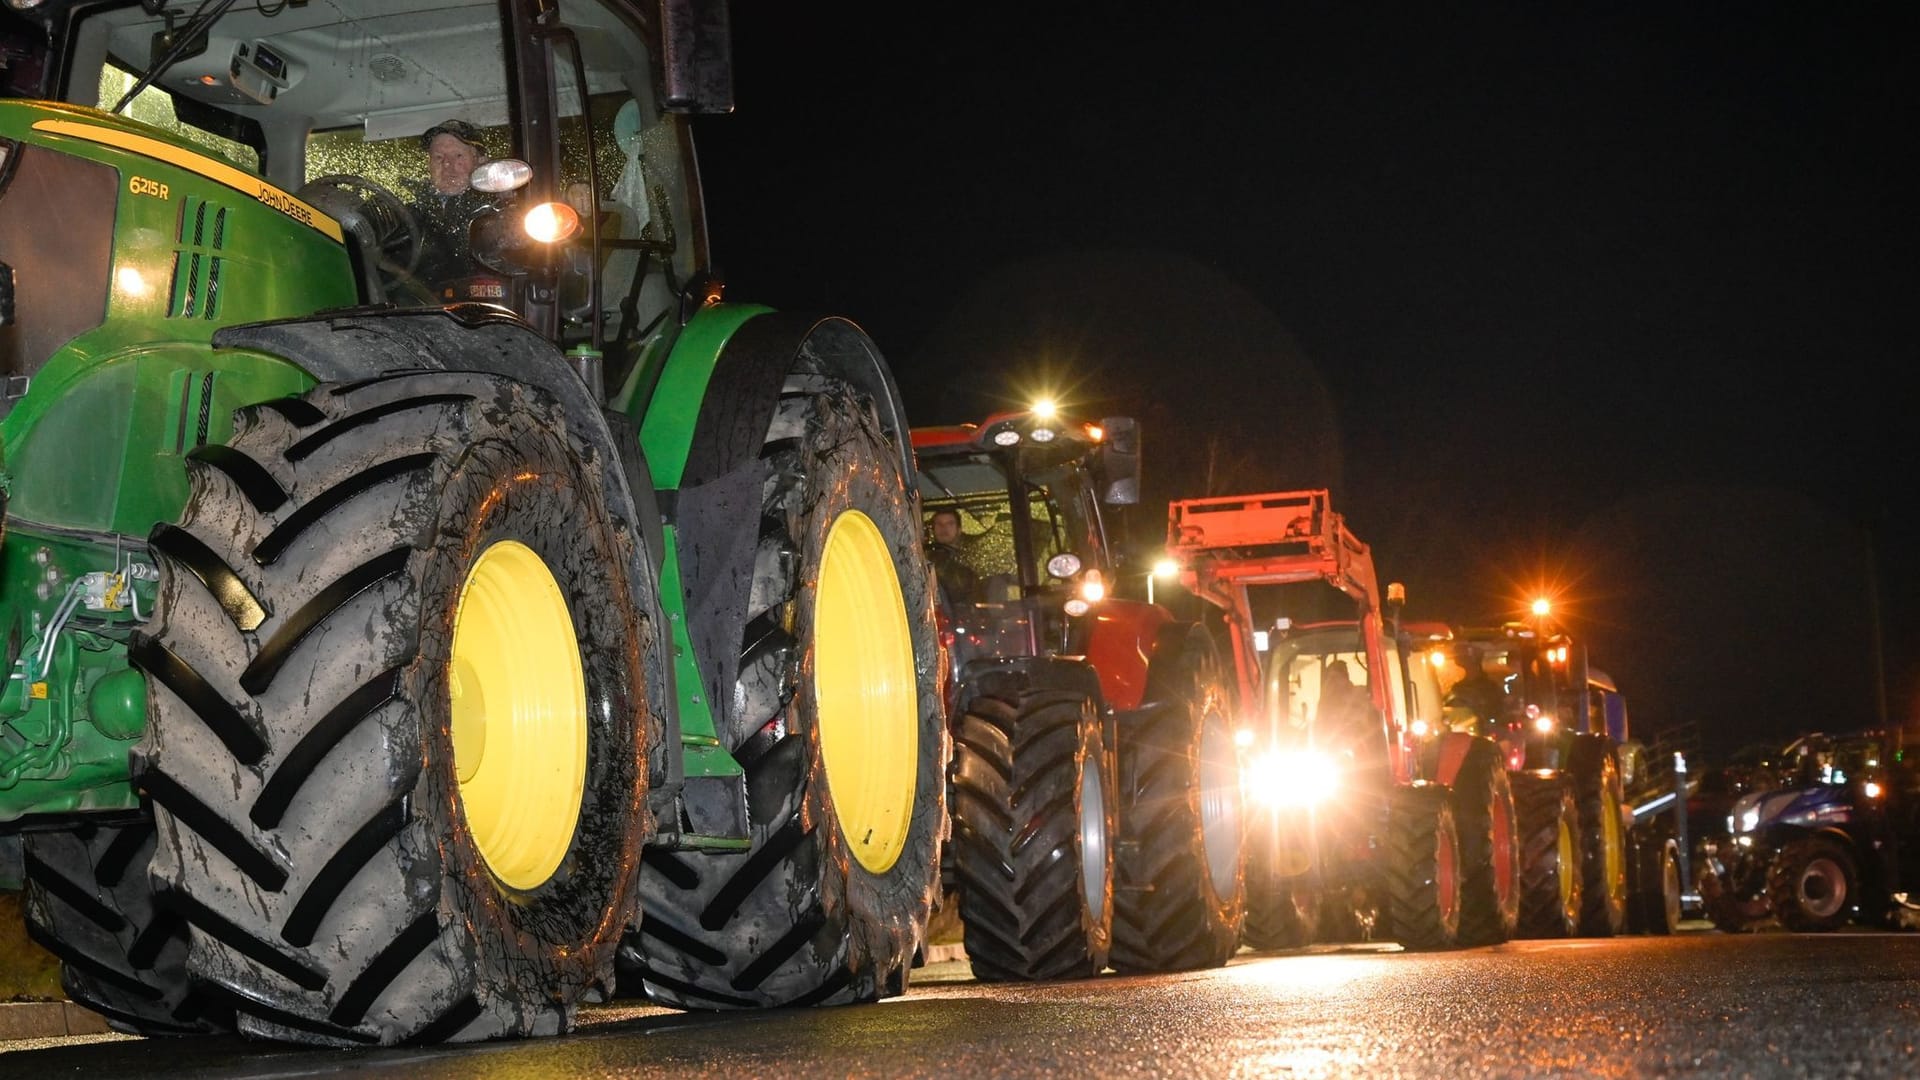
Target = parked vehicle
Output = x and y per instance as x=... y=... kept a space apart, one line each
x=1837 y=841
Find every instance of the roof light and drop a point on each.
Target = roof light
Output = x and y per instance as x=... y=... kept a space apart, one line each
x=1542 y=606
x=1045 y=408
x=1008 y=437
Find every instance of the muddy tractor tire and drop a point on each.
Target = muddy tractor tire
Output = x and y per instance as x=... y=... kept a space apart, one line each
x=1550 y=883
x=397 y=679
x=89 y=903
x=1603 y=837
x=1422 y=869
x=1654 y=905
x=1483 y=812
x=1181 y=889
x=1283 y=901
x=1813 y=885
x=1033 y=796
x=836 y=718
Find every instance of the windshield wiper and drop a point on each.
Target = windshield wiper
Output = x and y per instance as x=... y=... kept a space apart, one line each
x=198 y=24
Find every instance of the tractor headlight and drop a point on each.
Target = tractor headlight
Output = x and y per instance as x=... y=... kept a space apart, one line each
x=23 y=5
x=1292 y=778
x=1749 y=819
x=1064 y=565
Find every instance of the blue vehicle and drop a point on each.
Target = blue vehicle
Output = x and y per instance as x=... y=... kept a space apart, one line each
x=1828 y=842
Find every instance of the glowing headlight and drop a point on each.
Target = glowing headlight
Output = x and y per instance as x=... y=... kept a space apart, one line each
x=1243 y=737
x=1092 y=589
x=1043 y=435
x=1006 y=438
x=551 y=222
x=1749 y=820
x=1420 y=729
x=1292 y=778
x=1064 y=565
x=1871 y=789
x=1543 y=724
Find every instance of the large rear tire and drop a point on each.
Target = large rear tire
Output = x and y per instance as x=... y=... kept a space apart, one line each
x=1603 y=836
x=1550 y=884
x=1483 y=812
x=1422 y=869
x=1032 y=826
x=1812 y=885
x=1181 y=890
x=397 y=678
x=90 y=904
x=836 y=718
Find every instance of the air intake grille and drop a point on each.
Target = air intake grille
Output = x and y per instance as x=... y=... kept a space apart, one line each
x=195 y=292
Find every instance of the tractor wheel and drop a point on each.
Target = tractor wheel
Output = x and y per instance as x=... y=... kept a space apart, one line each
x=836 y=719
x=90 y=904
x=1180 y=895
x=1812 y=884
x=1483 y=813
x=1603 y=837
x=1654 y=906
x=1422 y=869
x=397 y=677
x=1283 y=904
x=1550 y=886
x=1032 y=822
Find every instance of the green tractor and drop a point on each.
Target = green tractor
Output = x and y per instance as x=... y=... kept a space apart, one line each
x=400 y=660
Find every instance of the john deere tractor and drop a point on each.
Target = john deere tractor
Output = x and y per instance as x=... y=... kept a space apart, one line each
x=383 y=668
x=1096 y=787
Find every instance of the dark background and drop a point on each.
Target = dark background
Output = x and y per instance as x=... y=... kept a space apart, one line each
x=1610 y=302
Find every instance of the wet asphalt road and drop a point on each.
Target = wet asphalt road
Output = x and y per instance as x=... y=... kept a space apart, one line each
x=1696 y=1005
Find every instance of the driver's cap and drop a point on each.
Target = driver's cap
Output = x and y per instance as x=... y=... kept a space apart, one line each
x=459 y=129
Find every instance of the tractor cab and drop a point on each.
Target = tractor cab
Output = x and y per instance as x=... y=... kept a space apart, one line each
x=260 y=128
x=1031 y=491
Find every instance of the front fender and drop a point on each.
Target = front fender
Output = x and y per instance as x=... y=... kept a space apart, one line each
x=1122 y=643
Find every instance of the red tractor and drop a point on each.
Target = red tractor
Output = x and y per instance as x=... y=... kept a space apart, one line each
x=1095 y=785
x=1358 y=827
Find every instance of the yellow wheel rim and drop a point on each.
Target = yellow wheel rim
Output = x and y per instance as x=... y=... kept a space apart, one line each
x=519 y=707
x=865 y=692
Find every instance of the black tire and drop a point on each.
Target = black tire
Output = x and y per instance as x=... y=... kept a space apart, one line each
x=1813 y=884
x=1550 y=884
x=798 y=919
x=300 y=751
x=1483 y=812
x=1422 y=869
x=1033 y=821
x=89 y=903
x=1603 y=837
x=1654 y=907
x=1181 y=888
x=1283 y=897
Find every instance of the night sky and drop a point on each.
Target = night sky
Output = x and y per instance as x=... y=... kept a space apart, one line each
x=1613 y=301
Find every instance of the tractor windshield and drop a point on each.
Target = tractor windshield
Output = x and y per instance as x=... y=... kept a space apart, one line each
x=1012 y=526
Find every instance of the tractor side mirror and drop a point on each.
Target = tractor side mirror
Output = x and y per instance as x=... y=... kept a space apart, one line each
x=1119 y=465
x=697 y=42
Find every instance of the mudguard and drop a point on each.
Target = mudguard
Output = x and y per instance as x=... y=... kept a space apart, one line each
x=1121 y=645
x=1449 y=753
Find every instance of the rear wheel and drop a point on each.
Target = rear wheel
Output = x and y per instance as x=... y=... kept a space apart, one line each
x=1483 y=811
x=1180 y=896
x=1549 y=821
x=1812 y=884
x=1655 y=903
x=90 y=904
x=1422 y=869
x=1603 y=837
x=836 y=719
x=1032 y=827
x=397 y=672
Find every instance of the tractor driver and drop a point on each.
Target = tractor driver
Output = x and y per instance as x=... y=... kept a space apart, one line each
x=957 y=578
x=445 y=203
